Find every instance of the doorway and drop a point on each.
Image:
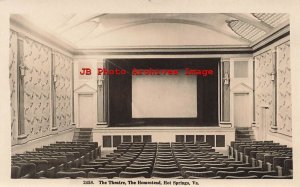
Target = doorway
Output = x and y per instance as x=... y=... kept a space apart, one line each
x=241 y=110
x=85 y=111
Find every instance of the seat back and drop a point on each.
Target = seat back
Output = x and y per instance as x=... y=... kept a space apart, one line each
x=247 y=169
x=41 y=165
x=288 y=166
x=216 y=169
x=138 y=169
x=199 y=174
x=27 y=169
x=86 y=170
x=214 y=165
x=241 y=177
x=198 y=169
x=277 y=177
x=108 y=175
x=71 y=174
x=259 y=174
x=165 y=169
x=125 y=174
x=164 y=174
x=112 y=169
x=235 y=166
x=224 y=174
x=15 y=172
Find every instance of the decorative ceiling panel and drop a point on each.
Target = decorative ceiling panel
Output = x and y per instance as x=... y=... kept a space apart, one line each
x=272 y=19
x=246 y=30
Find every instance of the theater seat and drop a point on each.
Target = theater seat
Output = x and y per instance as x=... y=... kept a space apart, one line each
x=138 y=169
x=95 y=166
x=198 y=169
x=141 y=174
x=224 y=174
x=277 y=177
x=199 y=174
x=159 y=174
x=165 y=169
x=108 y=175
x=193 y=177
x=259 y=174
x=70 y=174
x=247 y=169
x=27 y=169
x=216 y=169
x=86 y=170
x=15 y=172
x=242 y=177
x=116 y=169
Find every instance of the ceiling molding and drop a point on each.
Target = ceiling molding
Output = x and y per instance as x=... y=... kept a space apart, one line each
x=24 y=27
x=75 y=24
x=166 y=50
x=257 y=24
x=178 y=21
x=245 y=30
x=271 y=37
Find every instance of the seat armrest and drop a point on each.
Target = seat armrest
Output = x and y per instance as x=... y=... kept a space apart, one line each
x=253 y=161
x=247 y=159
x=50 y=172
x=27 y=176
x=40 y=174
x=236 y=155
x=68 y=165
x=76 y=163
x=82 y=160
x=279 y=170
x=60 y=168
x=260 y=163
x=269 y=166
x=231 y=156
x=241 y=157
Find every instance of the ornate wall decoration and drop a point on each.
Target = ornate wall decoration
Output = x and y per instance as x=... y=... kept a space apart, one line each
x=37 y=60
x=63 y=89
x=263 y=86
x=284 y=105
x=13 y=76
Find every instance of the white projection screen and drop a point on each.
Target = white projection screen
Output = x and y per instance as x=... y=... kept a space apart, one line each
x=164 y=96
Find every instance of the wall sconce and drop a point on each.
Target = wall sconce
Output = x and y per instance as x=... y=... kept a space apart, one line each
x=273 y=74
x=54 y=78
x=22 y=70
x=100 y=83
x=226 y=79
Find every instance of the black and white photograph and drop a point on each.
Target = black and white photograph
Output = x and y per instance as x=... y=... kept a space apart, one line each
x=166 y=96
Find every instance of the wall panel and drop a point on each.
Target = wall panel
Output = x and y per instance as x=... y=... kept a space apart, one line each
x=263 y=86
x=284 y=105
x=37 y=60
x=13 y=76
x=63 y=90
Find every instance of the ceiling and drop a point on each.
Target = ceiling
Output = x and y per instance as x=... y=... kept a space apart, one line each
x=82 y=31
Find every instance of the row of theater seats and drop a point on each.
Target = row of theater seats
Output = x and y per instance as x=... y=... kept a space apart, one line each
x=265 y=156
x=177 y=160
x=135 y=160
x=47 y=161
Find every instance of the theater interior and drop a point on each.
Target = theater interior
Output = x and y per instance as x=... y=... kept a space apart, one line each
x=151 y=95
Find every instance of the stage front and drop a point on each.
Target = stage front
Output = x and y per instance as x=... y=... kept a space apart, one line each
x=111 y=137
